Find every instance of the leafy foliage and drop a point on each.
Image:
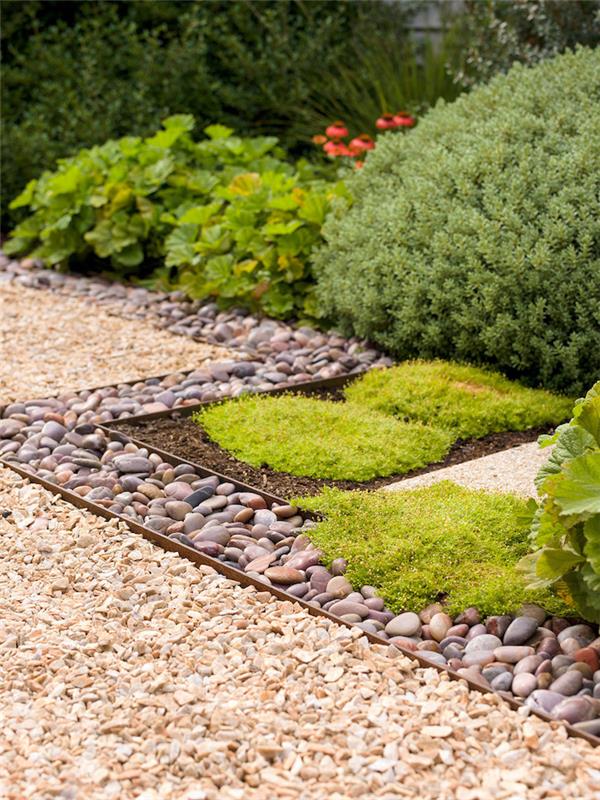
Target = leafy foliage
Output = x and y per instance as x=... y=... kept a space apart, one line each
x=319 y=438
x=497 y=33
x=474 y=237
x=566 y=524
x=468 y=401
x=78 y=73
x=417 y=545
x=235 y=220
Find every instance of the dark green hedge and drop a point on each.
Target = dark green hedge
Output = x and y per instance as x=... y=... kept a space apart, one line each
x=475 y=237
x=77 y=74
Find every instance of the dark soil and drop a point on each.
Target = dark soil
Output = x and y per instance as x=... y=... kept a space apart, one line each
x=187 y=440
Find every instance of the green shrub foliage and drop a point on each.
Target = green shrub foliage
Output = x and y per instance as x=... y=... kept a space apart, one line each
x=496 y=33
x=416 y=545
x=234 y=219
x=566 y=525
x=475 y=237
x=468 y=401
x=78 y=73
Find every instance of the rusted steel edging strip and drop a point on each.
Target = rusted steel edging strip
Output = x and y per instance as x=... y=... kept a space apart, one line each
x=244 y=579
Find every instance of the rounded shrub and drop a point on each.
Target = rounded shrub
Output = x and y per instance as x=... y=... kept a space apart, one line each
x=321 y=438
x=476 y=237
x=468 y=401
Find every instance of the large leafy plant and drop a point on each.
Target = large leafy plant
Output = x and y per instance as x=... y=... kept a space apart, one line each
x=566 y=522
x=233 y=218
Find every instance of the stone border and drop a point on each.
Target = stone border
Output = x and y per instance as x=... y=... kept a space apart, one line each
x=275 y=357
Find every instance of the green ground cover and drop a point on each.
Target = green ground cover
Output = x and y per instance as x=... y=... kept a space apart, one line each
x=414 y=544
x=394 y=421
x=321 y=438
x=468 y=401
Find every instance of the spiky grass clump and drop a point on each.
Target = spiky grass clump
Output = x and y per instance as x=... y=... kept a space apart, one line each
x=468 y=401
x=321 y=438
x=415 y=544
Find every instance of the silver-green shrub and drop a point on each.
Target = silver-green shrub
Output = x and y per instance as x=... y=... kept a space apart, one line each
x=476 y=236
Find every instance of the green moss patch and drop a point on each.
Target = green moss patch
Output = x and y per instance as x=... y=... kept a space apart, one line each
x=469 y=402
x=415 y=544
x=320 y=438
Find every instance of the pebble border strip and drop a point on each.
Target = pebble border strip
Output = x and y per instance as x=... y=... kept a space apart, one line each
x=551 y=664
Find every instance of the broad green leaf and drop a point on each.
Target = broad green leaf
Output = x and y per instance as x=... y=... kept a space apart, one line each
x=572 y=442
x=589 y=416
x=66 y=182
x=579 y=491
x=129 y=256
x=218 y=132
x=292 y=244
x=282 y=203
x=586 y=601
x=101 y=239
x=245 y=184
x=158 y=173
x=553 y=563
x=179 y=245
x=182 y=122
x=591 y=578
x=248 y=265
x=591 y=531
x=314 y=209
x=16 y=245
x=26 y=196
x=281 y=228
x=201 y=214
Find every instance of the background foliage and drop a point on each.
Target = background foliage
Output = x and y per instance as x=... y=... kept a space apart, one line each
x=76 y=74
x=475 y=236
x=496 y=33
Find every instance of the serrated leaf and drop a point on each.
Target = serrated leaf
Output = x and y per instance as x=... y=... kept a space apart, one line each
x=587 y=602
x=179 y=245
x=130 y=256
x=201 y=214
x=553 y=563
x=591 y=532
x=572 y=442
x=579 y=491
x=218 y=132
x=589 y=416
x=314 y=209
x=245 y=184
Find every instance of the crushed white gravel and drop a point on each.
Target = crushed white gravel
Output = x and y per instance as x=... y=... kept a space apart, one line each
x=512 y=471
x=126 y=672
x=51 y=344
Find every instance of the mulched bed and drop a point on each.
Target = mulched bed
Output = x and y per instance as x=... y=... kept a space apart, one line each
x=187 y=440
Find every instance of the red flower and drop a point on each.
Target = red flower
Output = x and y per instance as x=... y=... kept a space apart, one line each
x=319 y=138
x=362 y=143
x=337 y=130
x=404 y=120
x=358 y=164
x=335 y=149
x=385 y=122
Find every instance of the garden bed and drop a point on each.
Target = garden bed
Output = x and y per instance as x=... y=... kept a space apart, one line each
x=180 y=435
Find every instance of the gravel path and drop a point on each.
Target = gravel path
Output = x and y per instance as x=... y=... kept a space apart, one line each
x=511 y=471
x=51 y=344
x=128 y=673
